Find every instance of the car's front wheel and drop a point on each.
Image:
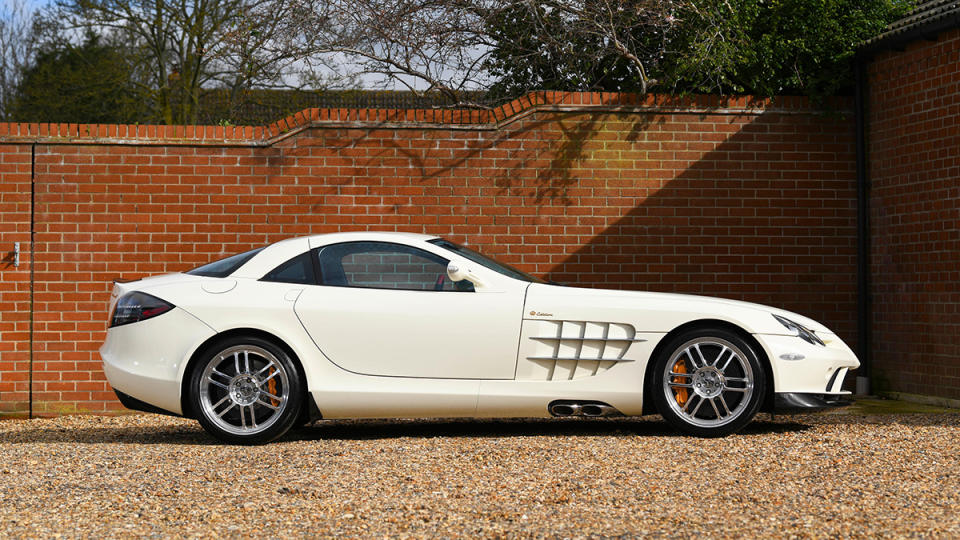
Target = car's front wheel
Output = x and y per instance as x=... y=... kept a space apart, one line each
x=246 y=390
x=708 y=382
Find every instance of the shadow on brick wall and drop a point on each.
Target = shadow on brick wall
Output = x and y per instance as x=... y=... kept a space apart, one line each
x=766 y=216
x=547 y=153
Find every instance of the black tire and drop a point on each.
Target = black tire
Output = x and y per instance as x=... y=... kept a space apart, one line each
x=708 y=382
x=246 y=390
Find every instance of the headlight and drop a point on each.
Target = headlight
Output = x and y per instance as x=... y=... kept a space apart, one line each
x=803 y=332
x=137 y=306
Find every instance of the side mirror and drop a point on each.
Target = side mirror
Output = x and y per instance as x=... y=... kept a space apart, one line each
x=456 y=272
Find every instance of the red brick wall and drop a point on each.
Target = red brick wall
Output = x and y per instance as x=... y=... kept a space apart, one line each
x=914 y=149
x=741 y=199
x=14 y=280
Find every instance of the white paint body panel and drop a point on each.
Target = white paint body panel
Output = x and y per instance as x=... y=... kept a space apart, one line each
x=424 y=334
x=387 y=353
x=143 y=361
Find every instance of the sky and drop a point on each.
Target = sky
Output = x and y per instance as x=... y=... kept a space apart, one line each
x=33 y=4
x=5 y=5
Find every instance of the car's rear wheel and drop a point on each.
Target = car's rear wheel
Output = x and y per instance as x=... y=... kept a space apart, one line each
x=246 y=390
x=708 y=382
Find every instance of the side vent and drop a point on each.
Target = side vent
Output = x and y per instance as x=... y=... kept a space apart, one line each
x=564 y=350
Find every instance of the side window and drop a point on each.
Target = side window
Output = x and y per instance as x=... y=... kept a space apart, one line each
x=297 y=270
x=383 y=265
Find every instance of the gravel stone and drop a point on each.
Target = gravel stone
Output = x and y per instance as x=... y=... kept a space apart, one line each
x=812 y=476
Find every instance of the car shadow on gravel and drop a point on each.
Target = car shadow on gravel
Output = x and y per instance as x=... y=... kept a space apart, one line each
x=183 y=432
x=183 y=435
x=907 y=419
x=497 y=428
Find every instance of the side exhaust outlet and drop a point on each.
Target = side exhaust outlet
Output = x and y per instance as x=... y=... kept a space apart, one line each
x=599 y=409
x=591 y=409
x=565 y=409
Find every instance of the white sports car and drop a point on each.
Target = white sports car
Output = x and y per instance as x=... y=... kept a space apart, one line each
x=388 y=325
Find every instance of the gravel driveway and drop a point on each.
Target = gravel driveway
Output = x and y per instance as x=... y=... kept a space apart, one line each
x=803 y=476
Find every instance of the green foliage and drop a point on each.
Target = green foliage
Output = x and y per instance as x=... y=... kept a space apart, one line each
x=771 y=47
x=85 y=83
x=544 y=49
x=760 y=47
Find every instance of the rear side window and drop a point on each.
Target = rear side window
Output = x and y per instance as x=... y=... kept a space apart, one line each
x=297 y=270
x=224 y=267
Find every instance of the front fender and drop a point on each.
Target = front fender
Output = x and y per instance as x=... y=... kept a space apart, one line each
x=653 y=312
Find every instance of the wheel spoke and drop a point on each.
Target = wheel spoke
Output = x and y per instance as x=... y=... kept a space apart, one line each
x=217 y=404
x=697 y=408
x=713 y=403
x=267 y=405
x=719 y=356
x=692 y=359
x=220 y=373
x=703 y=360
x=266 y=367
x=223 y=412
x=236 y=361
x=724 y=403
x=736 y=379
x=246 y=360
x=217 y=383
x=675 y=374
x=264 y=392
x=681 y=385
x=243 y=419
x=253 y=417
x=741 y=390
x=272 y=375
x=727 y=363
x=690 y=402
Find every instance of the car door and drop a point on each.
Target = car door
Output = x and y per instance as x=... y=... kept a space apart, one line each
x=388 y=309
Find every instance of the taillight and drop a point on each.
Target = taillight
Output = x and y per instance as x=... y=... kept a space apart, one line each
x=137 y=306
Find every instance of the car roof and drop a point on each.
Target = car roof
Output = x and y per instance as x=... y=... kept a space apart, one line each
x=388 y=236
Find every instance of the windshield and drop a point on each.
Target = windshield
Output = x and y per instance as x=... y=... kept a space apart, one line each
x=224 y=267
x=487 y=262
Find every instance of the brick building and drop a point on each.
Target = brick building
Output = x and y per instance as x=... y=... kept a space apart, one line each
x=910 y=76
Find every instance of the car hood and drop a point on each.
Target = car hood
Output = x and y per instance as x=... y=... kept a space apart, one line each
x=667 y=309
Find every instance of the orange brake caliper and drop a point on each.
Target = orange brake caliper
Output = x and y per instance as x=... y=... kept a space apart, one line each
x=272 y=388
x=681 y=393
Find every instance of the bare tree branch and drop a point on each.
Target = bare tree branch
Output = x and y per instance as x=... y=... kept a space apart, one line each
x=17 y=49
x=443 y=46
x=427 y=46
x=183 y=46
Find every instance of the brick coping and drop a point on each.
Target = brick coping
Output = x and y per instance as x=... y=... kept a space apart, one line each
x=488 y=119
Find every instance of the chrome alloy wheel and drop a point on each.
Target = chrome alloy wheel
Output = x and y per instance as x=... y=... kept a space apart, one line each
x=709 y=382
x=244 y=390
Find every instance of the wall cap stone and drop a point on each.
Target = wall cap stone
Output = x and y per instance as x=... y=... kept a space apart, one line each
x=465 y=119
